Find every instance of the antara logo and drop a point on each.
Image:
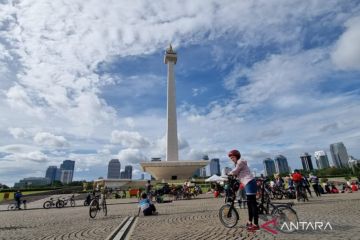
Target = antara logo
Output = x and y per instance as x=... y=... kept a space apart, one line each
x=287 y=227
x=304 y=226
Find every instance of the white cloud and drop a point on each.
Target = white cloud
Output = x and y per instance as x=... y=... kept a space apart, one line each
x=18 y=133
x=346 y=54
x=198 y=91
x=129 y=139
x=278 y=79
x=50 y=78
x=51 y=140
x=131 y=156
x=17 y=148
x=21 y=158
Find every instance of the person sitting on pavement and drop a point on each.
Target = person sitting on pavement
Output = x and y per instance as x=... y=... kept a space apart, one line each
x=354 y=188
x=146 y=206
x=334 y=189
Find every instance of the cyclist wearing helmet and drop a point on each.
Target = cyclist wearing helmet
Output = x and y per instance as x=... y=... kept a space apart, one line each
x=242 y=171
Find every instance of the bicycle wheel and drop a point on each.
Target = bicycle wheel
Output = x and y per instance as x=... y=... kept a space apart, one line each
x=94 y=206
x=11 y=207
x=104 y=208
x=60 y=204
x=286 y=218
x=47 y=205
x=228 y=216
x=72 y=202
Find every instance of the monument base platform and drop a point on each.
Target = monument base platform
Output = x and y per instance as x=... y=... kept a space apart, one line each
x=172 y=170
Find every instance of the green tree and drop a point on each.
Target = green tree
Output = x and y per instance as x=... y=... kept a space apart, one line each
x=57 y=183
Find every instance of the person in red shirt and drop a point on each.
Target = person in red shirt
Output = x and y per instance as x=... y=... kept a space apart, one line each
x=297 y=178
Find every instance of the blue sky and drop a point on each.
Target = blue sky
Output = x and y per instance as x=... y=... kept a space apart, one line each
x=87 y=81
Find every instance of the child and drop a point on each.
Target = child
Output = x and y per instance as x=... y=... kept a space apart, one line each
x=146 y=206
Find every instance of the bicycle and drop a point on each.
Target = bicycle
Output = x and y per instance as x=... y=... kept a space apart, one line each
x=13 y=206
x=51 y=203
x=282 y=212
x=96 y=207
x=71 y=200
x=301 y=193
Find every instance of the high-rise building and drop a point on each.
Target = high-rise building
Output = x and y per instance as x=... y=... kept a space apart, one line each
x=225 y=171
x=281 y=164
x=51 y=173
x=122 y=175
x=67 y=171
x=354 y=163
x=142 y=176
x=128 y=172
x=339 y=155
x=269 y=167
x=58 y=174
x=306 y=162
x=68 y=165
x=215 y=166
x=66 y=176
x=321 y=159
x=114 y=169
x=202 y=172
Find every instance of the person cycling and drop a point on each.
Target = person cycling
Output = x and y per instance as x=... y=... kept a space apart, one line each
x=242 y=171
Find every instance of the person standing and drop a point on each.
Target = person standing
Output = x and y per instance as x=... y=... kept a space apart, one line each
x=297 y=181
x=242 y=171
x=148 y=189
x=17 y=196
x=315 y=184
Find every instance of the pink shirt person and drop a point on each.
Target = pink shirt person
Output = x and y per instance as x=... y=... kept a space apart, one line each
x=242 y=171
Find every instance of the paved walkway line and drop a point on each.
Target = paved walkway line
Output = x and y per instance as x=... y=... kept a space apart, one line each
x=123 y=230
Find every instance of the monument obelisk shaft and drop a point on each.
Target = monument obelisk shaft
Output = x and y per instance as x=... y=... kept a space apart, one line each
x=172 y=152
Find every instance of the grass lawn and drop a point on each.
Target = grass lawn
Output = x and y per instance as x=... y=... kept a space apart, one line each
x=24 y=193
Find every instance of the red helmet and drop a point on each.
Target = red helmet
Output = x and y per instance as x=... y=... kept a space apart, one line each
x=235 y=153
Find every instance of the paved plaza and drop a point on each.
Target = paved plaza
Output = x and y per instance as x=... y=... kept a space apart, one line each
x=185 y=219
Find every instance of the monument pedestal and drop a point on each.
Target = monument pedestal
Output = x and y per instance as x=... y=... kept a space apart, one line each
x=172 y=170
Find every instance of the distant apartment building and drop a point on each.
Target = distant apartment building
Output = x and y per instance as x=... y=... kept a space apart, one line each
x=354 y=163
x=51 y=173
x=66 y=176
x=128 y=172
x=67 y=171
x=269 y=167
x=114 y=169
x=339 y=155
x=215 y=166
x=32 y=182
x=281 y=164
x=321 y=159
x=306 y=162
x=202 y=172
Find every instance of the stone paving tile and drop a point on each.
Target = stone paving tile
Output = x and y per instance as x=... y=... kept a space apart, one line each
x=187 y=219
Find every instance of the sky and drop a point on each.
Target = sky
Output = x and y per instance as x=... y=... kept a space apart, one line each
x=85 y=80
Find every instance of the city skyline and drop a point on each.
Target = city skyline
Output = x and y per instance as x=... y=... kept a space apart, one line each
x=264 y=77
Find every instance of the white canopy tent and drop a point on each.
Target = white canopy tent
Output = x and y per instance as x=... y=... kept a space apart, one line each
x=215 y=178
